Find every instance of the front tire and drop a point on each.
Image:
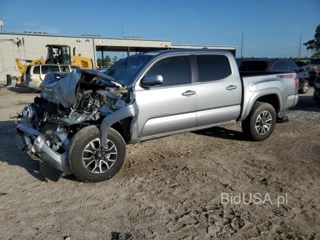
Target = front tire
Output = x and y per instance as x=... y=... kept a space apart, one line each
x=89 y=161
x=305 y=87
x=260 y=123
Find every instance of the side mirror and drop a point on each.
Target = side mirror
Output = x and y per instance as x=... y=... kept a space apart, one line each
x=152 y=80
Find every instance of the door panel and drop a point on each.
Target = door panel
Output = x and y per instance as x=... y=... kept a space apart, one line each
x=218 y=91
x=217 y=115
x=170 y=106
x=165 y=109
x=218 y=102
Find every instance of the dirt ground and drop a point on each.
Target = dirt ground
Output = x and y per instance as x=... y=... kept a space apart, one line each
x=173 y=188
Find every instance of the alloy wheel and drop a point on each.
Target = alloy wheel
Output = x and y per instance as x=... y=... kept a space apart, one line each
x=97 y=159
x=263 y=123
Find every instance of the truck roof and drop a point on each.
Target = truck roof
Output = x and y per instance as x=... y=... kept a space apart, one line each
x=49 y=65
x=205 y=50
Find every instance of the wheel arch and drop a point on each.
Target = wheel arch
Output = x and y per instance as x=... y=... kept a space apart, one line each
x=124 y=128
x=271 y=97
x=117 y=120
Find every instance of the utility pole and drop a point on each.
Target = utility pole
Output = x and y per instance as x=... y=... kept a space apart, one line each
x=122 y=30
x=122 y=37
x=242 y=45
x=300 y=44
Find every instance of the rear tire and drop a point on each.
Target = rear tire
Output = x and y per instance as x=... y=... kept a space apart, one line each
x=260 y=123
x=305 y=87
x=89 y=161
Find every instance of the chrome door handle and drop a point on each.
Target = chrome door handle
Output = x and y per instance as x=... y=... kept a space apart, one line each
x=231 y=87
x=188 y=93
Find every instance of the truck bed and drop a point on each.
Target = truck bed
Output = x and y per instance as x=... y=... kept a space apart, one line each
x=259 y=73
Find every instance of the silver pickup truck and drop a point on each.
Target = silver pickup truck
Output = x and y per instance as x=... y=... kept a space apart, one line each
x=83 y=120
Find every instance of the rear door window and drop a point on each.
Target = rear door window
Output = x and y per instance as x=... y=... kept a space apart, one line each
x=44 y=70
x=36 y=70
x=213 y=67
x=54 y=69
x=49 y=69
x=64 y=68
x=174 y=70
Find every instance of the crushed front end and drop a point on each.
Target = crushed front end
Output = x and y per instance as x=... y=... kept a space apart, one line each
x=68 y=102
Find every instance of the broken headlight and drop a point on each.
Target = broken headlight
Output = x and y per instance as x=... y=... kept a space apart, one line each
x=28 y=111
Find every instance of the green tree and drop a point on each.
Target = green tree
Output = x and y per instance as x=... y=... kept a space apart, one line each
x=108 y=61
x=114 y=59
x=314 y=44
x=100 y=62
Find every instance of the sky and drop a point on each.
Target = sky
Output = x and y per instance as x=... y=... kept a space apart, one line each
x=270 y=28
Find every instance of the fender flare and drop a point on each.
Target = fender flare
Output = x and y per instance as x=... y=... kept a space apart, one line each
x=256 y=96
x=116 y=116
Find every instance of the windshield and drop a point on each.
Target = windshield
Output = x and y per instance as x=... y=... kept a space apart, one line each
x=124 y=70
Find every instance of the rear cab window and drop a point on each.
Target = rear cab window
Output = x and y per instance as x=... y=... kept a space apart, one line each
x=253 y=66
x=213 y=67
x=281 y=66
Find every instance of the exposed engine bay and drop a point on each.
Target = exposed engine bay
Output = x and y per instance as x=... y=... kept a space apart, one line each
x=82 y=102
x=68 y=102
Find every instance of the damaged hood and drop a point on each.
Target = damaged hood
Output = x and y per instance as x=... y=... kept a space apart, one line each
x=61 y=88
x=102 y=76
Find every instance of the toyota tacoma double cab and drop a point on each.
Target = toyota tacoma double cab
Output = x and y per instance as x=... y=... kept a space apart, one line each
x=83 y=120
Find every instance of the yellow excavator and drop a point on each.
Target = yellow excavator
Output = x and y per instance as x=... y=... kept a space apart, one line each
x=56 y=54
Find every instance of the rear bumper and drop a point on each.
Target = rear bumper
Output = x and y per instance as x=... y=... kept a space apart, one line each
x=292 y=101
x=33 y=84
x=296 y=99
x=33 y=142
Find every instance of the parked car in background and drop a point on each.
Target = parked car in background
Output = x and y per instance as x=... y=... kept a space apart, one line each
x=302 y=64
x=103 y=69
x=277 y=66
x=238 y=61
x=314 y=69
x=35 y=74
x=316 y=85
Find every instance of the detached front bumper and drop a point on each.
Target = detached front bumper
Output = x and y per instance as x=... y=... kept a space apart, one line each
x=33 y=142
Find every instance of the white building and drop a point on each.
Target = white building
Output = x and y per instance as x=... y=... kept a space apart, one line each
x=33 y=46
